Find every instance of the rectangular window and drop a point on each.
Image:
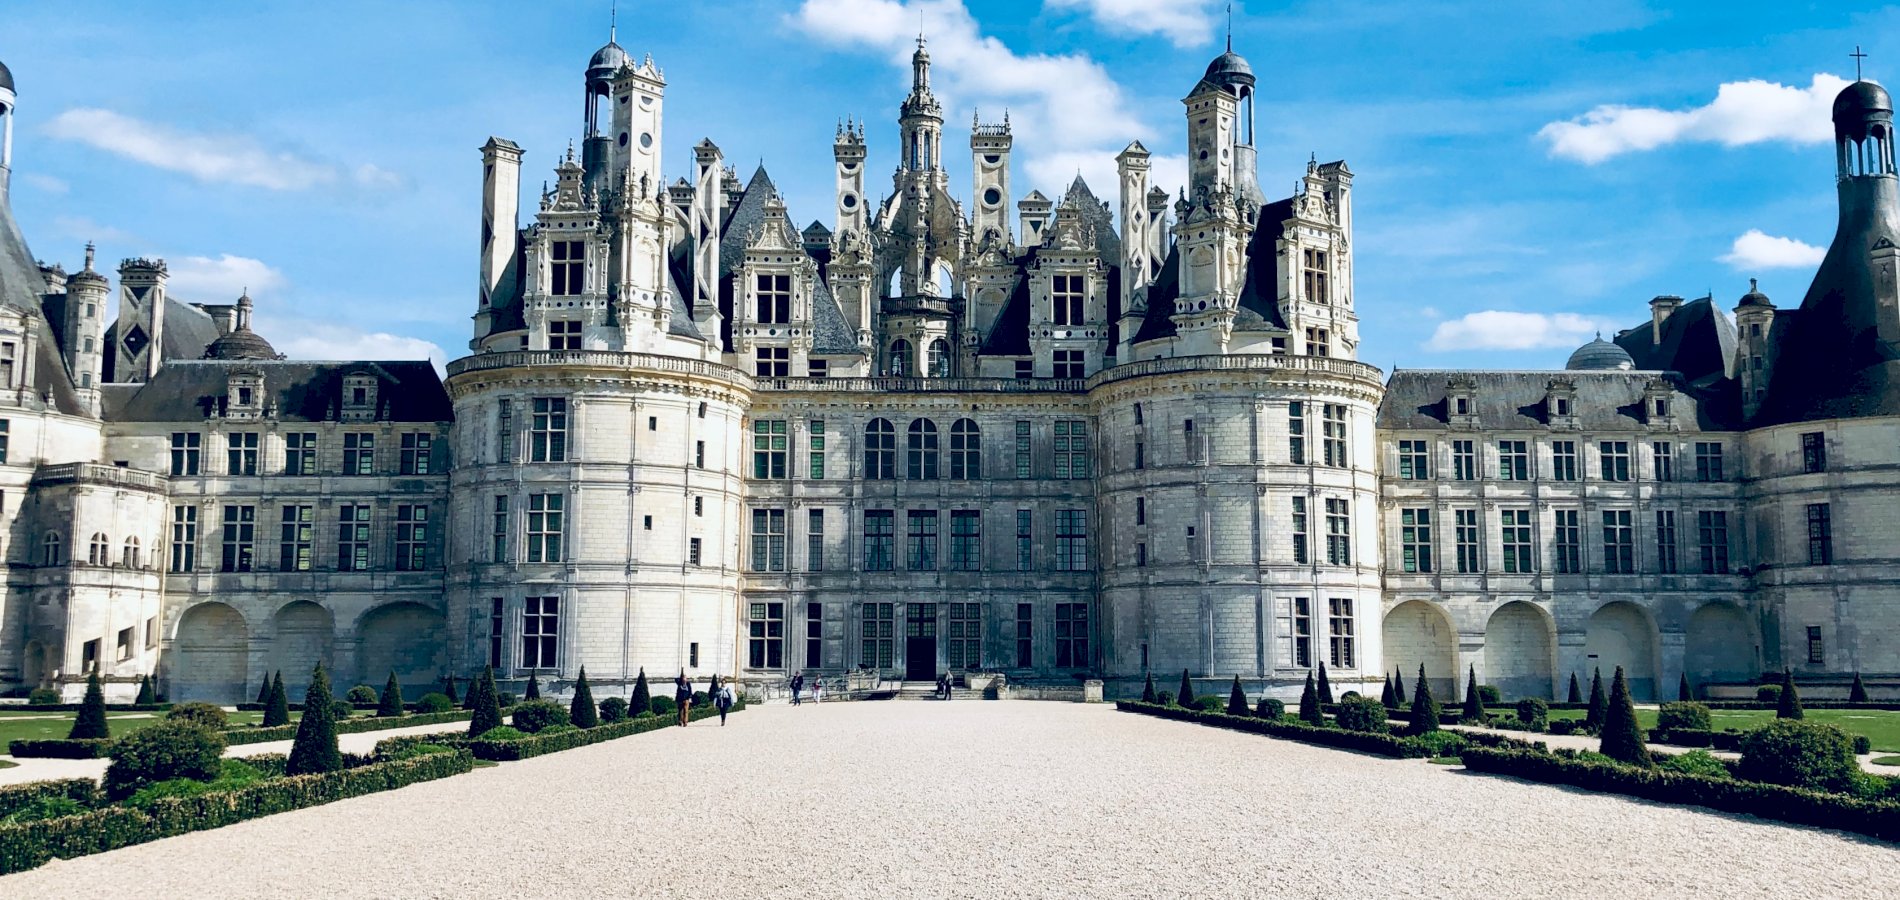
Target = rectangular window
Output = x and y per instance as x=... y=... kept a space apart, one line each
x=770 y=449
x=1193 y=545
x=966 y=635
x=694 y=547
x=814 y=635
x=1071 y=448
x=1615 y=456
x=1025 y=369
x=1318 y=342
x=1072 y=635
x=1066 y=293
x=1813 y=452
x=1415 y=539
x=240 y=539
x=1563 y=460
x=1023 y=453
x=151 y=632
x=879 y=532
x=498 y=533
x=497 y=638
x=1414 y=461
x=412 y=537
x=1333 y=421
x=878 y=635
x=185 y=449
x=1141 y=510
x=359 y=453
x=89 y=656
x=1708 y=461
x=1515 y=532
x=1296 y=433
x=1313 y=274
x=966 y=451
x=1338 y=533
x=775 y=301
x=966 y=540
x=772 y=362
x=240 y=455
x=414 y=459
x=352 y=537
x=699 y=454
x=817 y=448
x=768 y=540
x=1025 y=541
x=1514 y=461
x=815 y=540
x=1662 y=457
x=567 y=269
x=1619 y=542
x=295 y=540
x=766 y=637
x=540 y=632
x=1339 y=629
x=1465 y=538
x=1025 y=635
x=1072 y=540
x=920 y=545
x=1569 y=542
x=1712 y=539
x=1464 y=460
x=300 y=453
x=1300 y=555
x=6 y=426
x=817 y=368
x=1816 y=656
x=547 y=430
x=545 y=527
x=1820 y=535
x=505 y=433
x=1666 y=541
x=1141 y=554
x=184 y=538
x=1068 y=364
x=1302 y=632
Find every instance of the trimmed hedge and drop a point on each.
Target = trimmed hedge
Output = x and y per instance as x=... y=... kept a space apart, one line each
x=542 y=744
x=1875 y=818
x=1338 y=738
x=94 y=748
x=31 y=844
x=120 y=707
x=346 y=726
x=14 y=797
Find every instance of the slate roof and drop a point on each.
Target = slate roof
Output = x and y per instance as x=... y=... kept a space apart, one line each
x=187 y=333
x=830 y=334
x=1161 y=296
x=21 y=287
x=1260 y=294
x=1009 y=336
x=1418 y=400
x=301 y=391
x=1698 y=341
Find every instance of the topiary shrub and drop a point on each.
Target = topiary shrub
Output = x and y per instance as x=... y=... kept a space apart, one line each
x=203 y=715
x=362 y=693
x=1695 y=762
x=390 y=703
x=177 y=748
x=1424 y=708
x=1325 y=686
x=1185 y=696
x=1310 y=712
x=506 y=698
x=43 y=697
x=1474 y=702
x=1622 y=737
x=1148 y=689
x=448 y=688
x=503 y=733
x=314 y=749
x=1269 y=708
x=1682 y=688
x=613 y=709
x=1236 y=699
x=1789 y=704
x=263 y=689
x=1165 y=698
x=1576 y=694
x=148 y=694
x=485 y=706
x=642 y=699
x=341 y=709
x=1533 y=713
x=433 y=703
x=1799 y=754
x=534 y=688
x=1398 y=688
x=1490 y=694
x=532 y=716
x=1385 y=695
x=1863 y=744
x=582 y=711
x=90 y=724
x=1361 y=714
x=663 y=706
x=1768 y=693
x=1599 y=705
x=1857 y=693
x=1681 y=716
x=1434 y=744
x=700 y=699
x=276 y=704
x=1209 y=703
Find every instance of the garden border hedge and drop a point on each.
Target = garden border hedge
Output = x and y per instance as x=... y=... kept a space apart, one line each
x=59 y=748
x=74 y=707
x=1337 y=738
x=252 y=735
x=17 y=796
x=1874 y=818
x=543 y=744
x=31 y=844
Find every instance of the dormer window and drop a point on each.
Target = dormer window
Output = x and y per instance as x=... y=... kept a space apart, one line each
x=8 y=354
x=1662 y=407
x=359 y=397
x=1065 y=299
x=775 y=299
x=243 y=394
x=246 y=396
x=1561 y=403
x=564 y=334
x=567 y=269
x=1461 y=402
x=1314 y=265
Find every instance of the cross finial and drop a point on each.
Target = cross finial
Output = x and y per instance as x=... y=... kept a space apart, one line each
x=1230 y=28
x=613 y=20
x=1858 y=56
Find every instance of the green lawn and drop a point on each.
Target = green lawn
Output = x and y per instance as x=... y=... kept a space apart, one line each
x=1880 y=726
x=16 y=726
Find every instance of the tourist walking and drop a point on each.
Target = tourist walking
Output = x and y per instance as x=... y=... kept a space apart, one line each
x=723 y=700
x=683 y=697
x=798 y=686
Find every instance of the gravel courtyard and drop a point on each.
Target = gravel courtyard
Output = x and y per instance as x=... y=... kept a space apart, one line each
x=973 y=799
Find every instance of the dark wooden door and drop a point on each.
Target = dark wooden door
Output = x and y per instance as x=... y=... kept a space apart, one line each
x=920 y=642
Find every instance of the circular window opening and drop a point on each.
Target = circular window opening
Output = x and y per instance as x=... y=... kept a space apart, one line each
x=646 y=140
x=992 y=197
x=1203 y=154
x=623 y=139
x=850 y=201
x=646 y=100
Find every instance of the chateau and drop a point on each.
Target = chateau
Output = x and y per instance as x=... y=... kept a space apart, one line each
x=1065 y=440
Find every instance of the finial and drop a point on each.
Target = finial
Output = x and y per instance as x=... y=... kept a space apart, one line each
x=1752 y=286
x=1858 y=56
x=613 y=20
x=1230 y=28
x=88 y=256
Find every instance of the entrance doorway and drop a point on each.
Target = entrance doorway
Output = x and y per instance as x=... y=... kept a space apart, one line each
x=920 y=642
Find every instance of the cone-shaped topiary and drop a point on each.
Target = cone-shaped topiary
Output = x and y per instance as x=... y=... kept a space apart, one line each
x=1237 y=699
x=390 y=703
x=1185 y=697
x=1310 y=713
x=277 y=705
x=534 y=688
x=1398 y=687
x=148 y=695
x=90 y=724
x=1424 y=708
x=448 y=688
x=1790 y=705
x=582 y=711
x=314 y=749
x=1599 y=705
x=1855 y=694
x=1474 y=704
x=642 y=699
x=1385 y=696
x=263 y=690
x=1622 y=737
x=482 y=700
x=1148 y=689
x=1325 y=686
x=1576 y=693
x=1682 y=688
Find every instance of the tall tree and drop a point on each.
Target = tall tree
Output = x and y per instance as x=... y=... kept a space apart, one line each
x=642 y=696
x=314 y=750
x=90 y=724
x=1474 y=704
x=1398 y=686
x=1424 y=708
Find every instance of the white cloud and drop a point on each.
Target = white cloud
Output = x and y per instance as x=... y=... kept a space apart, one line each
x=302 y=339
x=44 y=183
x=1756 y=250
x=1185 y=23
x=1495 y=329
x=1743 y=112
x=214 y=159
x=85 y=229
x=202 y=279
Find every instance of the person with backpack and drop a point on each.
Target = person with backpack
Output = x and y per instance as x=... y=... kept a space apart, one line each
x=723 y=700
x=683 y=697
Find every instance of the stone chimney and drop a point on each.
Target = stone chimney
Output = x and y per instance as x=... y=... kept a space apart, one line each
x=1660 y=309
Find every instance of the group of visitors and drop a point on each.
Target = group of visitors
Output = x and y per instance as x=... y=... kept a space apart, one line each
x=722 y=698
x=798 y=689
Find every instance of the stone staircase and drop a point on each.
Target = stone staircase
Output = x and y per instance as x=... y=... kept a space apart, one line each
x=927 y=690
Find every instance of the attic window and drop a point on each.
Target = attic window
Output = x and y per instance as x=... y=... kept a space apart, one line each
x=1464 y=406
x=1662 y=407
x=359 y=396
x=1563 y=406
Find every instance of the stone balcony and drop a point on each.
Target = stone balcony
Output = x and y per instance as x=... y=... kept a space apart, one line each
x=95 y=473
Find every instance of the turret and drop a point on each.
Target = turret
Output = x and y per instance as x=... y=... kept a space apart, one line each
x=6 y=129
x=1754 y=351
x=921 y=120
x=84 y=327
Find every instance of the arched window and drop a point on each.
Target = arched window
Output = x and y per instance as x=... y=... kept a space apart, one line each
x=900 y=358
x=99 y=553
x=939 y=359
x=52 y=549
x=921 y=443
x=131 y=555
x=880 y=450
x=966 y=451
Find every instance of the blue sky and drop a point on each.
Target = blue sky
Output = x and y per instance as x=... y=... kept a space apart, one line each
x=1526 y=172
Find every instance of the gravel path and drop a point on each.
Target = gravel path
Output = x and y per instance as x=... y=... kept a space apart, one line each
x=1016 y=799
